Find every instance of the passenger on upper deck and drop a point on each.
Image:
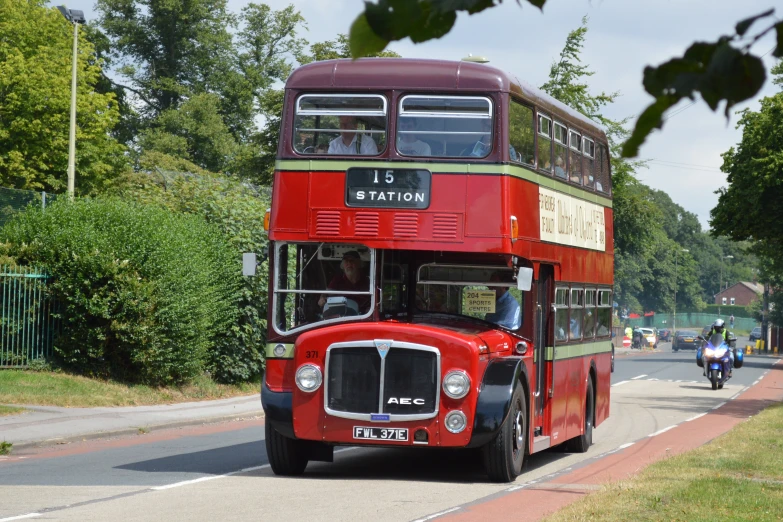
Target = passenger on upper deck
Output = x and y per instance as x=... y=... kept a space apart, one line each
x=484 y=145
x=507 y=311
x=407 y=142
x=352 y=141
x=559 y=170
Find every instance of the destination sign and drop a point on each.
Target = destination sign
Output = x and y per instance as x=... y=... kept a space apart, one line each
x=388 y=188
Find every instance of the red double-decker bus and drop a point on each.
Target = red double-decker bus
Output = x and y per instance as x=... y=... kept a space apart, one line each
x=441 y=266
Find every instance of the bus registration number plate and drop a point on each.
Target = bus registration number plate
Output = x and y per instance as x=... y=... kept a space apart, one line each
x=362 y=433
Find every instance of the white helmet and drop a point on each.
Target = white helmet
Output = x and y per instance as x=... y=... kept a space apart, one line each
x=719 y=325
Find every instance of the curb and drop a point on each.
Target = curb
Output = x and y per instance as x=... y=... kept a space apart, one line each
x=137 y=430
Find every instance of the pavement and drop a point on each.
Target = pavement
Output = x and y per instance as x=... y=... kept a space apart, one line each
x=40 y=426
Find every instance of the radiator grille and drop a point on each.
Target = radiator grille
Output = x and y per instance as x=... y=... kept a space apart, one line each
x=406 y=225
x=327 y=223
x=444 y=226
x=409 y=385
x=366 y=224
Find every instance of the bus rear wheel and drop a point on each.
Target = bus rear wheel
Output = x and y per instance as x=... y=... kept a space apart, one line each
x=505 y=454
x=583 y=442
x=286 y=456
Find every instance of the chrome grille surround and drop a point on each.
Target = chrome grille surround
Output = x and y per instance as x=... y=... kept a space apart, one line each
x=367 y=417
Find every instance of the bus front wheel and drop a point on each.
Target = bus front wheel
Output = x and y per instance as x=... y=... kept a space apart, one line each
x=286 y=456
x=505 y=454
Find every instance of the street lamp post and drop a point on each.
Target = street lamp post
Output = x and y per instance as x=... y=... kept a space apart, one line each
x=76 y=17
x=674 y=319
x=720 y=288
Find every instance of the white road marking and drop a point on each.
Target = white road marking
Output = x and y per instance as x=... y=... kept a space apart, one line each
x=757 y=381
x=619 y=383
x=638 y=377
x=696 y=417
x=522 y=486
x=232 y=473
x=719 y=405
x=20 y=517
x=626 y=445
x=734 y=396
x=436 y=515
x=662 y=431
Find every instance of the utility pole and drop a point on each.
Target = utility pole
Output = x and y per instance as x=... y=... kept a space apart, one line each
x=76 y=18
x=674 y=319
x=720 y=288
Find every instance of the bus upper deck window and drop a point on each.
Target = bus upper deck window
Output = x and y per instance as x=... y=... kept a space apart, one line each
x=575 y=163
x=343 y=124
x=446 y=126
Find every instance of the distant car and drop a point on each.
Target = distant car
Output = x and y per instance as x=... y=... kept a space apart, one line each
x=685 y=339
x=755 y=334
x=649 y=334
x=665 y=335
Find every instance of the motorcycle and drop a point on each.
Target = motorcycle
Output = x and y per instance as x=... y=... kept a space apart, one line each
x=715 y=357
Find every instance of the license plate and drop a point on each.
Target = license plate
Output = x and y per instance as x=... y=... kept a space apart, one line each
x=362 y=433
x=688 y=340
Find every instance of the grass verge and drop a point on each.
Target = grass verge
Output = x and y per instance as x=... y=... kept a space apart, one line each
x=738 y=476
x=5 y=448
x=60 y=389
x=9 y=410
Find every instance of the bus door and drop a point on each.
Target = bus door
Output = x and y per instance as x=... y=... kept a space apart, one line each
x=543 y=304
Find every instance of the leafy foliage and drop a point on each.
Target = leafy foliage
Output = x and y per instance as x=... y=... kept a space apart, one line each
x=144 y=293
x=419 y=20
x=718 y=71
x=237 y=210
x=35 y=98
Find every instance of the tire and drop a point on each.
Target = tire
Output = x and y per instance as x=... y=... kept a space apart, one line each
x=720 y=386
x=504 y=455
x=583 y=442
x=714 y=379
x=286 y=456
x=675 y=350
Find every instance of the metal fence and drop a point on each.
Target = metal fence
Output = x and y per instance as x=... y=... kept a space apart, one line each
x=28 y=323
x=14 y=200
x=692 y=320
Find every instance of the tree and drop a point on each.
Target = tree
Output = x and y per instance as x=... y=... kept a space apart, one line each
x=199 y=75
x=35 y=93
x=724 y=70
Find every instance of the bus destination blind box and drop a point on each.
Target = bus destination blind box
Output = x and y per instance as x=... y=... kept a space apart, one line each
x=388 y=188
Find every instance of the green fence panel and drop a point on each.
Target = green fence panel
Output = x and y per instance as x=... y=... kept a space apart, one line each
x=691 y=320
x=27 y=323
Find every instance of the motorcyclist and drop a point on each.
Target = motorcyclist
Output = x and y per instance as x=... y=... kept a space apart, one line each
x=719 y=327
x=637 y=337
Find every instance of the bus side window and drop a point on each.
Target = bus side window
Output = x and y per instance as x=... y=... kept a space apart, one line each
x=575 y=165
x=544 y=143
x=602 y=181
x=521 y=133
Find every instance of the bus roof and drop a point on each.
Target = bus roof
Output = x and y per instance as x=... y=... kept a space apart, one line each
x=418 y=74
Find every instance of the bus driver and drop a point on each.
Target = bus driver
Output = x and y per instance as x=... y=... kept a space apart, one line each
x=352 y=280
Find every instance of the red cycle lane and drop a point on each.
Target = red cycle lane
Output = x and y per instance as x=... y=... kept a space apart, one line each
x=540 y=499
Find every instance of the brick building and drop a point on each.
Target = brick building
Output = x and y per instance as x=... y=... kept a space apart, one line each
x=741 y=294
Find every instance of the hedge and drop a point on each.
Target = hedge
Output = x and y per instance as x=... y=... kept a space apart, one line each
x=145 y=294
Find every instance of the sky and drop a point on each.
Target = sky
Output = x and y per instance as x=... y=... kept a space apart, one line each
x=623 y=37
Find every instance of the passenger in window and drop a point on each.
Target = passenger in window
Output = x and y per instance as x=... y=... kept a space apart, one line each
x=407 y=142
x=507 y=313
x=350 y=141
x=559 y=170
x=484 y=145
x=574 y=327
x=351 y=279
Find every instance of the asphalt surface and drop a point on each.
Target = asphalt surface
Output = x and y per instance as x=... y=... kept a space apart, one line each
x=169 y=474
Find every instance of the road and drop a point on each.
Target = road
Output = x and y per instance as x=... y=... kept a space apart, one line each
x=221 y=471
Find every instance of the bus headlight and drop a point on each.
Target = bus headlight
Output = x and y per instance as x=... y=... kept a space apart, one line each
x=456 y=422
x=456 y=384
x=308 y=378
